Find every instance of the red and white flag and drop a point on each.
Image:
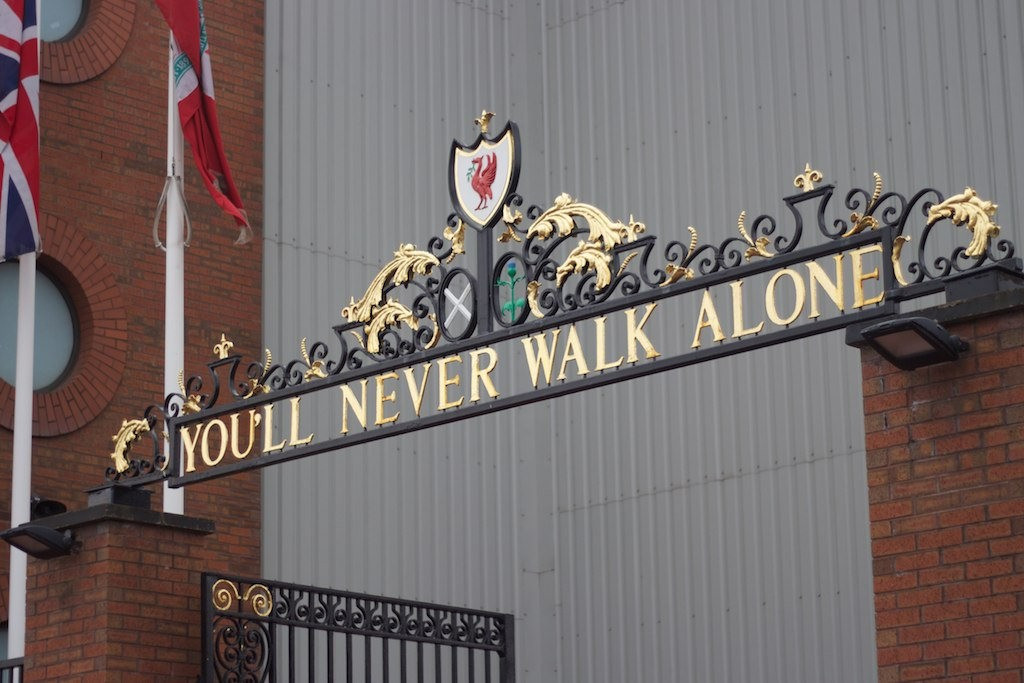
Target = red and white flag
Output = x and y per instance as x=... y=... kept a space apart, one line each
x=197 y=108
x=19 y=128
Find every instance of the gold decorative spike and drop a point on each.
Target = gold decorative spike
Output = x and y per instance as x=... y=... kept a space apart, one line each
x=407 y=263
x=128 y=434
x=484 y=120
x=967 y=208
x=457 y=236
x=625 y=264
x=222 y=349
x=758 y=248
x=532 y=293
x=585 y=256
x=675 y=274
x=317 y=369
x=191 y=401
x=861 y=223
x=603 y=230
x=806 y=180
x=897 y=249
x=511 y=220
x=255 y=386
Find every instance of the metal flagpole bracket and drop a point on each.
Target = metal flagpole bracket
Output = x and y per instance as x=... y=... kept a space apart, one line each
x=176 y=182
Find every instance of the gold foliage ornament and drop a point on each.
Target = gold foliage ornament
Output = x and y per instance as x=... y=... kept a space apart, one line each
x=676 y=273
x=967 y=208
x=457 y=236
x=864 y=222
x=317 y=369
x=191 y=402
x=559 y=218
x=586 y=256
x=758 y=248
x=255 y=385
x=378 y=314
x=511 y=219
x=128 y=434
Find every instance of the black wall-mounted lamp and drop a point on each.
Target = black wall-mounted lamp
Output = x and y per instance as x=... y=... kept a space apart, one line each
x=40 y=541
x=911 y=343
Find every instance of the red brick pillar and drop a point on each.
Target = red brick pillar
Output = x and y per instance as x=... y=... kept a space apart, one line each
x=126 y=606
x=945 y=459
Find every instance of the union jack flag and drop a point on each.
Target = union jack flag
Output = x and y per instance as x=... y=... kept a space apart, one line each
x=19 y=128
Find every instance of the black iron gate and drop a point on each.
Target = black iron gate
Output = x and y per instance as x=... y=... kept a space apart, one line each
x=255 y=630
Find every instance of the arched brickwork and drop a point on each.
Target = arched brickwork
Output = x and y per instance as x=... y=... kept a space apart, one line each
x=102 y=345
x=94 y=48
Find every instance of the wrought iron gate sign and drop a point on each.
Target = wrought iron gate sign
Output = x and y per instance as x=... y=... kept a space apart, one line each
x=566 y=300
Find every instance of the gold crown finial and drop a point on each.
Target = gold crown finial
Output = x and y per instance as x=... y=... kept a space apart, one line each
x=484 y=120
x=223 y=348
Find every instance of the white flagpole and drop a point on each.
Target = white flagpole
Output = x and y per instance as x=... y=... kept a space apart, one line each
x=174 y=298
x=21 y=469
x=21 y=456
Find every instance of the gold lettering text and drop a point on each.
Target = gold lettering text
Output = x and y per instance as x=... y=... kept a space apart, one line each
x=444 y=381
x=708 y=317
x=268 y=431
x=254 y=420
x=417 y=392
x=205 y=449
x=294 y=439
x=482 y=374
x=769 y=297
x=834 y=289
x=635 y=333
x=573 y=352
x=358 y=406
x=383 y=398
x=737 y=312
x=541 y=356
x=190 y=441
x=601 y=343
x=859 y=276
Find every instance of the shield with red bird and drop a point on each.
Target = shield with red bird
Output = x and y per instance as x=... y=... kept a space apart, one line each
x=483 y=175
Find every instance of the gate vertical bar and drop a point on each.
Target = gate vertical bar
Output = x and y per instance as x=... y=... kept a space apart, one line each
x=507 y=661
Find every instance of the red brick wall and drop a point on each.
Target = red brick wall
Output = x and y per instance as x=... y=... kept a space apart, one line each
x=125 y=608
x=946 y=486
x=103 y=167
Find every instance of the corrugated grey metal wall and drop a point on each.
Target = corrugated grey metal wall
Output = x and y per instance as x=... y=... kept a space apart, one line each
x=706 y=524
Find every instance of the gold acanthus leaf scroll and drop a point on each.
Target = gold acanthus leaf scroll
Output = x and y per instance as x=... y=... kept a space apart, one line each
x=758 y=248
x=376 y=314
x=585 y=256
x=511 y=219
x=967 y=208
x=393 y=312
x=457 y=236
x=533 y=298
x=603 y=230
x=128 y=434
x=408 y=262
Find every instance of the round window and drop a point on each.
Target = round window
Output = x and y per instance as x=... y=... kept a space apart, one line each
x=55 y=334
x=60 y=19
